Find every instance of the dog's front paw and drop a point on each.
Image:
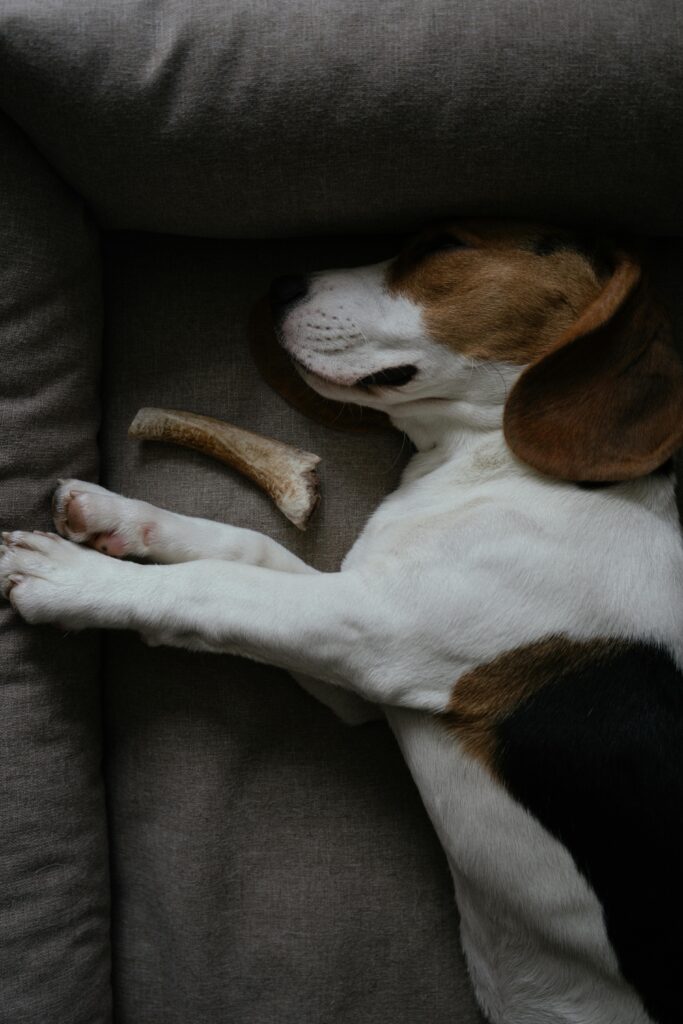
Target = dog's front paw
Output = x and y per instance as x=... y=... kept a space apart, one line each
x=89 y=514
x=48 y=579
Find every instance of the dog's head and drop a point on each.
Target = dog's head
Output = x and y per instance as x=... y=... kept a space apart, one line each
x=596 y=387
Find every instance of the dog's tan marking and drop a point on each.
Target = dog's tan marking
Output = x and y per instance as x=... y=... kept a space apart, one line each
x=605 y=402
x=487 y=695
x=495 y=299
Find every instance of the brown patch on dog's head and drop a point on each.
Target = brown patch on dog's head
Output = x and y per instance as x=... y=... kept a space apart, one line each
x=499 y=291
x=602 y=396
x=483 y=698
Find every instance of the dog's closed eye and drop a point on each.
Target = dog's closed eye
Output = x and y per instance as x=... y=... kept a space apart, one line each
x=395 y=376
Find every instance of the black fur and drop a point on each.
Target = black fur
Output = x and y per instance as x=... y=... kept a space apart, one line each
x=442 y=241
x=597 y=757
x=394 y=376
x=593 y=248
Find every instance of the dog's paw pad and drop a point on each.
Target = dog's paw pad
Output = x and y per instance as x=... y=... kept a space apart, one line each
x=89 y=514
x=109 y=523
x=113 y=544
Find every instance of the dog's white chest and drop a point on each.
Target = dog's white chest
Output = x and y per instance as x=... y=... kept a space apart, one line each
x=436 y=497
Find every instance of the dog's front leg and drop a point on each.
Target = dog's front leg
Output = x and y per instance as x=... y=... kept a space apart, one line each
x=309 y=625
x=313 y=625
x=87 y=513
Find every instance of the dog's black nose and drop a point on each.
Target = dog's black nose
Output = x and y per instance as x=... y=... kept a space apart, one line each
x=286 y=289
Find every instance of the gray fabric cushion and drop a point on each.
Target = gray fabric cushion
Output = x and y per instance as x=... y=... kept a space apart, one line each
x=263 y=117
x=54 y=889
x=270 y=865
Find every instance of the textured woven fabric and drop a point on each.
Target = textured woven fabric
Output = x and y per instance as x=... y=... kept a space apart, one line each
x=266 y=117
x=270 y=865
x=54 y=888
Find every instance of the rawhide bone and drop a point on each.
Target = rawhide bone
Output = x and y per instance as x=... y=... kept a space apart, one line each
x=286 y=473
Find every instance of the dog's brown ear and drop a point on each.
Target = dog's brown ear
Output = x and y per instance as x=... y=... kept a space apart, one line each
x=606 y=403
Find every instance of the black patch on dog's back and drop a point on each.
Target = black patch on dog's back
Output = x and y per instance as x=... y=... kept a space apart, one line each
x=597 y=756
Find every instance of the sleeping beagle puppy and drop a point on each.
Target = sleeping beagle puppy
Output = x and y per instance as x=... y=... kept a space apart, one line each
x=515 y=607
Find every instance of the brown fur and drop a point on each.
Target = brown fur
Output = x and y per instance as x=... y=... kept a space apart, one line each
x=496 y=299
x=602 y=396
x=485 y=696
x=605 y=403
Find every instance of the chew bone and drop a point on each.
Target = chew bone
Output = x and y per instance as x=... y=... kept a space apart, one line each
x=286 y=473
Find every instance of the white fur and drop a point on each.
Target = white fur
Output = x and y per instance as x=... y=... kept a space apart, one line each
x=531 y=927
x=473 y=555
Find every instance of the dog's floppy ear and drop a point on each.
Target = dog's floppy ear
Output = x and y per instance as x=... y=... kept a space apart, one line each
x=606 y=403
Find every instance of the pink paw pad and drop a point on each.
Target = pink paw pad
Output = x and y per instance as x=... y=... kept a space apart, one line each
x=112 y=544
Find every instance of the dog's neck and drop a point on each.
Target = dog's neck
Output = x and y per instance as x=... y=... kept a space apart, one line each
x=447 y=425
x=474 y=410
x=467 y=433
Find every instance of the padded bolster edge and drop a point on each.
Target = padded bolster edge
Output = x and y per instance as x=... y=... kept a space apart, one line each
x=54 y=891
x=257 y=118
